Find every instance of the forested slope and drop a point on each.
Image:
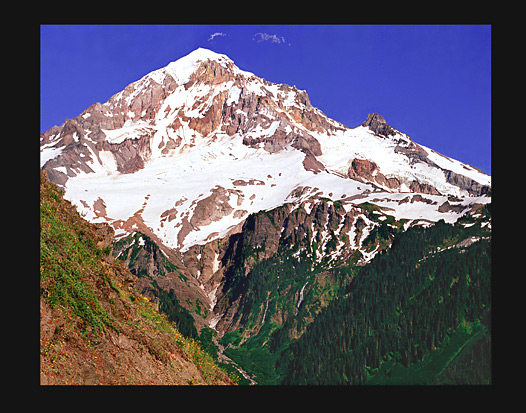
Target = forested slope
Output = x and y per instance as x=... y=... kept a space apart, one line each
x=419 y=313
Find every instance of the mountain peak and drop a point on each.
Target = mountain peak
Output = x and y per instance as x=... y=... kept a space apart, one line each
x=378 y=125
x=182 y=68
x=201 y=55
x=235 y=135
x=374 y=117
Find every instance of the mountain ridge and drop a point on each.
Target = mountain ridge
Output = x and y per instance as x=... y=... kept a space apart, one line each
x=222 y=115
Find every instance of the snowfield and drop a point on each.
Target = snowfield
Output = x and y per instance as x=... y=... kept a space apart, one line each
x=190 y=177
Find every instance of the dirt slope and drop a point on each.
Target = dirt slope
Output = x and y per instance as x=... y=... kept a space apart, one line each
x=95 y=328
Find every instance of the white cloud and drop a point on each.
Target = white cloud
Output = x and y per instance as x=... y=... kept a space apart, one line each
x=215 y=35
x=274 y=38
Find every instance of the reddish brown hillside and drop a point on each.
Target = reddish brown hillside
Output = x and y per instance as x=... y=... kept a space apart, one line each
x=95 y=328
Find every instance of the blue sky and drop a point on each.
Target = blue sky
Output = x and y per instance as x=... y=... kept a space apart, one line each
x=431 y=82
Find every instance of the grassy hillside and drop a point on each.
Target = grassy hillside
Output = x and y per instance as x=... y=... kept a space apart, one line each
x=95 y=328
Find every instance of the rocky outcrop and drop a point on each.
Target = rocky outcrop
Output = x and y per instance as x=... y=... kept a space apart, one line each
x=215 y=206
x=447 y=207
x=131 y=154
x=378 y=125
x=362 y=170
x=253 y=111
x=211 y=72
x=471 y=186
x=310 y=163
x=423 y=188
x=142 y=98
x=366 y=171
x=413 y=151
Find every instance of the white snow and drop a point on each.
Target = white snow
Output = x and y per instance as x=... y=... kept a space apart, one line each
x=300 y=300
x=128 y=131
x=183 y=68
x=458 y=167
x=233 y=95
x=289 y=101
x=177 y=179
x=194 y=174
x=47 y=153
x=340 y=149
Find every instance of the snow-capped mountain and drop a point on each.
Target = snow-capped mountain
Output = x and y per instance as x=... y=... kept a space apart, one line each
x=189 y=151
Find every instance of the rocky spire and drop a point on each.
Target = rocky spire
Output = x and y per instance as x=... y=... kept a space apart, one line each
x=378 y=125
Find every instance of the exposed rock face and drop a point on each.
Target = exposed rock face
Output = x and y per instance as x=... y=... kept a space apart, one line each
x=378 y=125
x=319 y=225
x=446 y=207
x=413 y=151
x=212 y=208
x=142 y=100
x=130 y=154
x=310 y=163
x=468 y=184
x=362 y=169
x=366 y=171
x=263 y=111
x=423 y=188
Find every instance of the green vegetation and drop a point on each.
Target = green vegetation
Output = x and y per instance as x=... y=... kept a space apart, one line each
x=66 y=254
x=432 y=369
x=409 y=317
x=144 y=259
x=370 y=208
x=268 y=292
x=256 y=358
x=138 y=250
x=418 y=313
x=380 y=236
x=180 y=316
x=90 y=294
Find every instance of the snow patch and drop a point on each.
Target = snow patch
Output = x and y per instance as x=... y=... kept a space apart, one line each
x=233 y=95
x=47 y=153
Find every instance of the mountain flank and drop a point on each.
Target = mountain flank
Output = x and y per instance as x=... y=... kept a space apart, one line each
x=95 y=327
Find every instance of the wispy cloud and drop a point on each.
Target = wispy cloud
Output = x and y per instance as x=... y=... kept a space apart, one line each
x=273 y=38
x=212 y=36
